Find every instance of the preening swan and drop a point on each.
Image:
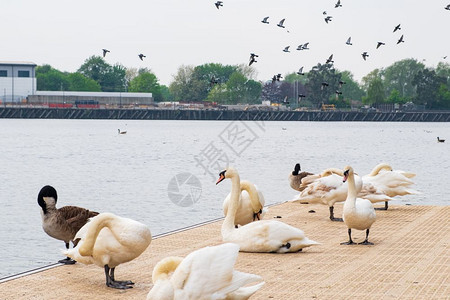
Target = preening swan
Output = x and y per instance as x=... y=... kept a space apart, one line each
x=388 y=181
x=326 y=188
x=251 y=204
x=108 y=240
x=357 y=213
x=261 y=236
x=295 y=178
x=63 y=223
x=207 y=273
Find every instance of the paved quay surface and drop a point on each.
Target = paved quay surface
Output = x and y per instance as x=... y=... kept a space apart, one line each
x=410 y=260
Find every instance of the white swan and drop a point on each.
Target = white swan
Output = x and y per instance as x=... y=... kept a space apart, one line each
x=63 y=223
x=251 y=204
x=207 y=273
x=261 y=236
x=296 y=177
x=357 y=213
x=108 y=240
x=388 y=181
x=326 y=188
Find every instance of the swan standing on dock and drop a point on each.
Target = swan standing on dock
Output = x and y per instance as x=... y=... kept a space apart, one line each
x=108 y=240
x=261 y=236
x=357 y=213
x=207 y=273
x=63 y=223
x=251 y=204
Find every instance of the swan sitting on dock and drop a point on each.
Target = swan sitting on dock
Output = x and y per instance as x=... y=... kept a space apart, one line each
x=207 y=273
x=63 y=223
x=261 y=236
x=251 y=204
x=108 y=240
x=357 y=213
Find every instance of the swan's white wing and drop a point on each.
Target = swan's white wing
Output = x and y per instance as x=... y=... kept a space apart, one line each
x=208 y=271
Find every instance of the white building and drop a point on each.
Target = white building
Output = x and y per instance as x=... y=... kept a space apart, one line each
x=17 y=81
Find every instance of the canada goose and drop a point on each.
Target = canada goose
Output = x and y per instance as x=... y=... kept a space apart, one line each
x=440 y=140
x=107 y=241
x=261 y=236
x=295 y=178
x=63 y=223
x=122 y=132
x=357 y=213
x=207 y=273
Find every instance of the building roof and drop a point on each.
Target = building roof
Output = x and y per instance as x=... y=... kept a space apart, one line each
x=18 y=63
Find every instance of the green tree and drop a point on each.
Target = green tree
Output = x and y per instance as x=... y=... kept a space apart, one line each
x=396 y=98
x=375 y=92
x=110 y=78
x=350 y=89
x=400 y=75
x=146 y=82
x=428 y=84
x=367 y=80
x=50 y=79
x=79 y=82
x=320 y=74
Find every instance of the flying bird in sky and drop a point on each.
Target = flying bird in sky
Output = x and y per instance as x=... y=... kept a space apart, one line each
x=365 y=55
x=286 y=49
x=265 y=20
x=379 y=44
x=280 y=24
x=105 y=51
x=218 y=4
x=397 y=28
x=141 y=56
x=328 y=19
x=330 y=59
x=300 y=71
x=447 y=7
x=400 y=40
x=338 y=4
x=300 y=47
x=349 y=41
x=252 y=58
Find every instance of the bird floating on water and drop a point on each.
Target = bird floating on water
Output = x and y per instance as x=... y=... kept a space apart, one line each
x=365 y=55
x=105 y=51
x=141 y=56
x=265 y=20
x=440 y=140
x=218 y=4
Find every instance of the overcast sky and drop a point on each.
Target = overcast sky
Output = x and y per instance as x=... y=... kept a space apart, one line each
x=172 y=33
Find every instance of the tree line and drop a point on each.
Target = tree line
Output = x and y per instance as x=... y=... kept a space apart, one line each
x=404 y=81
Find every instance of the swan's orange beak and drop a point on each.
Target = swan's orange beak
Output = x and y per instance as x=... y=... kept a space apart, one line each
x=221 y=177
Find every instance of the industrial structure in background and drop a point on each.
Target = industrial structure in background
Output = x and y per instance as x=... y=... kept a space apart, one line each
x=18 y=86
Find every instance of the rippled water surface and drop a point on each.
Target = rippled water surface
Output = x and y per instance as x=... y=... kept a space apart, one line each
x=139 y=174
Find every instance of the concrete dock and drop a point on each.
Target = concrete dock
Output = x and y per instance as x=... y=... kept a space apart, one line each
x=410 y=259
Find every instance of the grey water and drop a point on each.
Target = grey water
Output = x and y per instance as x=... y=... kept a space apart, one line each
x=163 y=173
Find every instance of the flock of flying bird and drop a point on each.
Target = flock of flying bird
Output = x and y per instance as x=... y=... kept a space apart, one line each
x=140 y=55
x=108 y=240
x=304 y=46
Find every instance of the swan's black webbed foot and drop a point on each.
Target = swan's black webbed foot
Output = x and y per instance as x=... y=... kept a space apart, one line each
x=287 y=245
x=383 y=208
x=67 y=261
x=348 y=243
x=336 y=219
x=366 y=242
x=118 y=285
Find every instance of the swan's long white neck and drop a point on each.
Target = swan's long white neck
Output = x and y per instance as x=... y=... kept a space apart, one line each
x=378 y=168
x=97 y=224
x=253 y=193
x=352 y=192
x=228 y=223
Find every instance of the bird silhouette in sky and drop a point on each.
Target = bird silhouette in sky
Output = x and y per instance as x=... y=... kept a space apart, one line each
x=397 y=28
x=338 y=4
x=447 y=7
x=349 y=41
x=218 y=4
x=286 y=49
x=445 y=57
x=305 y=46
x=300 y=71
x=300 y=47
x=324 y=12
x=330 y=59
x=279 y=77
x=365 y=55
x=265 y=20
x=252 y=58
x=379 y=44
x=280 y=24
x=328 y=19
x=105 y=51
x=141 y=56
x=400 y=40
